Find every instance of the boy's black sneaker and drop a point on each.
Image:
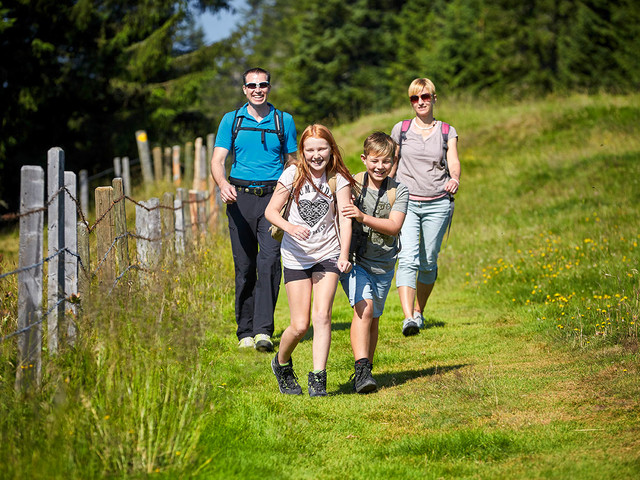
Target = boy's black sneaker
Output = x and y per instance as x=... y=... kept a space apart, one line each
x=363 y=381
x=287 y=380
x=318 y=384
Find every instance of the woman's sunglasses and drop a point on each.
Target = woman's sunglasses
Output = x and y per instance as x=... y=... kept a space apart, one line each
x=426 y=97
x=253 y=86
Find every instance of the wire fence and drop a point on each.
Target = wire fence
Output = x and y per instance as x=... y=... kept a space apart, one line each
x=165 y=230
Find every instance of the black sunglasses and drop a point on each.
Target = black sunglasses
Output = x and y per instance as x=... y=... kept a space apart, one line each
x=253 y=86
x=426 y=97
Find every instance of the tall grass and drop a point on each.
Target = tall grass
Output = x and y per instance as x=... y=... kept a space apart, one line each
x=528 y=367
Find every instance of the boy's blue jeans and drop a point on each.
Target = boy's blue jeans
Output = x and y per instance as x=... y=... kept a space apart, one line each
x=422 y=232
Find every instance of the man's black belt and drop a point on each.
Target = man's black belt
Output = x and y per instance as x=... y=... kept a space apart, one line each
x=257 y=188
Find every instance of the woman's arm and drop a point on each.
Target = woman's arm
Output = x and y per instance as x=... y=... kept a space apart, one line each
x=454 y=166
x=272 y=214
x=344 y=198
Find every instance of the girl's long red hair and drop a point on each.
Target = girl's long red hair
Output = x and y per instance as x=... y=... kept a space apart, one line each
x=335 y=164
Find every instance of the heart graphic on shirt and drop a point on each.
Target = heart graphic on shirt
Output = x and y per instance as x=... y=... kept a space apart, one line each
x=312 y=212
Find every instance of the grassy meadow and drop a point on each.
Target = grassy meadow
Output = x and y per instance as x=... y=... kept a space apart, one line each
x=528 y=368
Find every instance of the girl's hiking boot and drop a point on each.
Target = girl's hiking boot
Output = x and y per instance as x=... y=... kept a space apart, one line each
x=287 y=380
x=318 y=384
x=363 y=381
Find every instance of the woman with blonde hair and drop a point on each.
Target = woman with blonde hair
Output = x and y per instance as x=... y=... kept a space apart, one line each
x=315 y=250
x=429 y=166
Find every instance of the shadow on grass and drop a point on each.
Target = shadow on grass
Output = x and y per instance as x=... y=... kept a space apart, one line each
x=393 y=379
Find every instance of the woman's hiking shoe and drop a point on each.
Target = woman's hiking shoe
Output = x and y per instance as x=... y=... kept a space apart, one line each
x=410 y=327
x=246 y=342
x=363 y=381
x=318 y=384
x=419 y=319
x=287 y=380
x=263 y=342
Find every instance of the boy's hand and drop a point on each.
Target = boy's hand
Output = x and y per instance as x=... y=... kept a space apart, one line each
x=344 y=265
x=299 y=232
x=351 y=211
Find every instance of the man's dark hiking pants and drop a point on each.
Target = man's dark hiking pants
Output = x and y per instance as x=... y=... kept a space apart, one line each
x=256 y=257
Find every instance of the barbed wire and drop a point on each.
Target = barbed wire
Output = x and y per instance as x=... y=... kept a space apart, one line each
x=35 y=324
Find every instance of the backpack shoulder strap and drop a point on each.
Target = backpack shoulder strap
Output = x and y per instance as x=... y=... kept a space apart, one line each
x=445 y=146
x=278 y=118
x=391 y=194
x=332 y=181
x=403 y=135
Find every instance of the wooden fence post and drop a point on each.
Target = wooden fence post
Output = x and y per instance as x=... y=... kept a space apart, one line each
x=84 y=193
x=120 y=224
x=156 y=152
x=193 y=214
x=188 y=162
x=29 y=363
x=117 y=167
x=55 y=243
x=186 y=219
x=84 y=272
x=175 y=165
x=202 y=212
x=179 y=213
x=126 y=176
x=167 y=164
x=168 y=220
x=105 y=237
x=148 y=227
x=71 y=259
x=145 y=158
x=197 y=163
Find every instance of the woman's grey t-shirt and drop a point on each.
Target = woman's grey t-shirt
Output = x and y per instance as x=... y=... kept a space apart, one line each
x=382 y=250
x=421 y=168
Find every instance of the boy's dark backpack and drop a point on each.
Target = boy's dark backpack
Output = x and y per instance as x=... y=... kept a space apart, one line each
x=445 y=142
x=278 y=118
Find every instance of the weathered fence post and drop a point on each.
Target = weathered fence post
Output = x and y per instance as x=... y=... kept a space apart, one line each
x=175 y=165
x=71 y=259
x=105 y=237
x=117 y=167
x=55 y=245
x=179 y=212
x=143 y=154
x=188 y=162
x=168 y=227
x=202 y=212
x=29 y=364
x=84 y=193
x=126 y=176
x=186 y=220
x=197 y=160
x=149 y=231
x=156 y=152
x=120 y=224
x=167 y=164
x=193 y=214
x=84 y=272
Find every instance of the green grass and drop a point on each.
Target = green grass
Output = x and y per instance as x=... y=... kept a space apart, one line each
x=528 y=369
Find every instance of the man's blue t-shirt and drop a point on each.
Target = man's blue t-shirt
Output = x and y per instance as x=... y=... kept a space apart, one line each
x=256 y=160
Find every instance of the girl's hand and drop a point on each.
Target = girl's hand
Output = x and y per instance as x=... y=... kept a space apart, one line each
x=351 y=211
x=344 y=265
x=452 y=185
x=299 y=232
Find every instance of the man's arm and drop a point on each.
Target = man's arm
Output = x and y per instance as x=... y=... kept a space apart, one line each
x=228 y=192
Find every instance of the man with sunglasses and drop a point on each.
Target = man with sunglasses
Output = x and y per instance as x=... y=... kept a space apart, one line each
x=262 y=140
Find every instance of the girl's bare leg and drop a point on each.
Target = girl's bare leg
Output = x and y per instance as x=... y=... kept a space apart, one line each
x=299 y=295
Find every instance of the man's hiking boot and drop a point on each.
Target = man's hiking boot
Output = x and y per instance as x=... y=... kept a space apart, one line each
x=410 y=327
x=287 y=380
x=263 y=342
x=246 y=342
x=363 y=381
x=318 y=384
